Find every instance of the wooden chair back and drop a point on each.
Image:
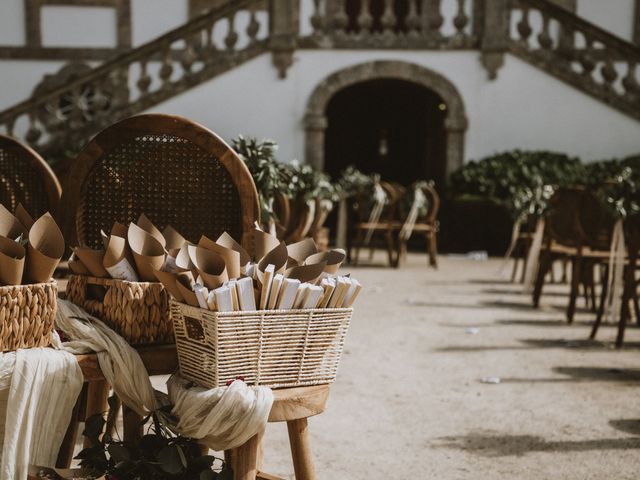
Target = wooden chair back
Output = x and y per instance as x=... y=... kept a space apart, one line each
x=562 y=220
x=433 y=207
x=26 y=178
x=394 y=193
x=177 y=172
x=596 y=222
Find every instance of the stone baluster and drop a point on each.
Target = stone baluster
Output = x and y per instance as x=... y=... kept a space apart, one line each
x=461 y=20
x=388 y=19
x=544 y=37
x=340 y=19
x=318 y=19
x=413 y=20
x=432 y=18
x=144 y=82
x=365 y=19
x=166 y=69
x=524 y=28
x=609 y=74
x=630 y=82
x=232 y=36
x=585 y=58
x=253 y=27
x=34 y=132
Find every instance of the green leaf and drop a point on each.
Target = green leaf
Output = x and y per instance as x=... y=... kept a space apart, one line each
x=170 y=460
x=118 y=452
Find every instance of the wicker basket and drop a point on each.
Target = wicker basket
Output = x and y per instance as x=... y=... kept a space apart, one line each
x=139 y=311
x=274 y=348
x=27 y=315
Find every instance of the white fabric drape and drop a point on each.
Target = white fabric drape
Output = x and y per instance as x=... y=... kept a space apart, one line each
x=533 y=257
x=615 y=275
x=380 y=198
x=419 y=201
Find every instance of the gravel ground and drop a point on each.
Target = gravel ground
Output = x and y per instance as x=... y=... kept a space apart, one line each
x=409 y=402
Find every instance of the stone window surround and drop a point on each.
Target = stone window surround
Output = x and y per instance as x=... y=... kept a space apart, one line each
x=315 y=120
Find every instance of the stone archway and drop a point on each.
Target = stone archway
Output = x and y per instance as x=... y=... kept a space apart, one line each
x=315 y=121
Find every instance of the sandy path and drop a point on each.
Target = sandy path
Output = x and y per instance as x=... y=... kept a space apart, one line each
x=408 y=402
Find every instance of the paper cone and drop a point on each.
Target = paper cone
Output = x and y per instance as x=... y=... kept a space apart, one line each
x=148 y=252
x=23 y=216
x=10 y=226
x=76 y=266
x=44 y=251
x=231 y=257
x=145 y=224
x=118 y=260
x=183 y=261
x=276 y=257
x=210 y=265
x=11 y=262
x=333 y=259
x=227 y=240
x=263 y=243
x=184 y=284
x=306 y=273
x=105 y=239
x=119 y=230
x=173 y=238
x=93 y=260
x=169 y=281
x=299 y=251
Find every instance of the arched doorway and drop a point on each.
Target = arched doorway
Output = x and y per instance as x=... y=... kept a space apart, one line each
x=434 y=90
x=388 y=126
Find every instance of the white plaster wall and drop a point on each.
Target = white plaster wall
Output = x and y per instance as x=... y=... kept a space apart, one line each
x=12 y=31
x=524 y=108
x=19 y=77
x=68 y=26
x=152 y=18
x=616 y=16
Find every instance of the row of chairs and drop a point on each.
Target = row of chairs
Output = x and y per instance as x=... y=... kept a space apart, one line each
x=578 y=232
x=391 y=220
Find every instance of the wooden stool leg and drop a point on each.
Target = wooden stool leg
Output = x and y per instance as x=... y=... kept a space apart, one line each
x=65 y=455
x=301 y=449
x=97 y=395
x=132 y=424
x=245 y=460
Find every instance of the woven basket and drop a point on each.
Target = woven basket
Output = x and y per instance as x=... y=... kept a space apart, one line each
x=274 y=348
x=138 y=311
x=27 y=315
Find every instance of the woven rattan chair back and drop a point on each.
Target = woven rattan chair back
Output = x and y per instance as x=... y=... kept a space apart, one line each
x=596 y=221
x=26 y=178
x=175 y=171
x=563 y=217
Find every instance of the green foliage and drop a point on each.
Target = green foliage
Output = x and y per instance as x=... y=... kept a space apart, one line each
x=160 y=455
x=304 y=181
x=522 y=181
x=353 y=182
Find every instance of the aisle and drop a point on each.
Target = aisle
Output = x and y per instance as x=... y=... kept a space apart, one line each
x=409 y=403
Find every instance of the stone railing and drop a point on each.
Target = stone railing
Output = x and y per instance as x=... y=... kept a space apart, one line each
x=576 y=52
x=425 y=24
x=66 y=116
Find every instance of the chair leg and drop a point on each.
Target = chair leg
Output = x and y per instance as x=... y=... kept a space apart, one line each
x=514 y=271
x=546 y=262
x=65 y=454
x=575 y=284
x=245 y=459
x=301 y=449
x=97 y=395
x=400 y=250
x=132 y=425
x=432 y=244
x=359 y=241
x=603 y=299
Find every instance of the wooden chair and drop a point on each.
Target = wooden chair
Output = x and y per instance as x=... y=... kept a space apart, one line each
x=386 y=225
x=175 y=171
x=26 y=178
x=426 y=225
x=522 y=245
x=302 y=214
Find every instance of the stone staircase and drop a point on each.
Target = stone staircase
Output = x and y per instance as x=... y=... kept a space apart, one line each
x=536 y=31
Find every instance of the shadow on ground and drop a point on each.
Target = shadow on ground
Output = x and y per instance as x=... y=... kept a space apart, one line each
x=500 y=445
x=584 y=374
x=538 y=344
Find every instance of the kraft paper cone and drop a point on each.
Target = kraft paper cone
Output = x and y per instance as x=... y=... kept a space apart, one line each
x=231 y=257
x=227 y=240
x=210 y=265
x=118 y=260
x=333 y=258
x=306 y=273
x=148 y=252
x=44 y=251
x=169 y=281
x=147 y=225
x=183 y=260
x=76 y=266
x=173 y=238
x=184 y=284
x=119 y=230
x=276 y=257
x=23 y=216
x=10 y=226
x=93 y=260
x=11 y=262
x=263 y=243
x=105 y=239
x=299 y=251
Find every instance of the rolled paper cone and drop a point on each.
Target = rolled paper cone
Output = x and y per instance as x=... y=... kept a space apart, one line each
x=169 y=281
x=333 y=258
x=44 y=251
x=148 y=253
x=11 y=262
x=276 y=257
x=173 y=238
x=93 y=260
x=188 y=295
x=77 y=267
x=231 y=257
x=10 y=226
x=227 y=240
x=263 y=243
x=183 y=260
x=119 y=230
x=105 y=239
x=306 y=273
x=118 y=260
x=299 y=251
x=23 y=216
x=147 y=225
x=210 y=265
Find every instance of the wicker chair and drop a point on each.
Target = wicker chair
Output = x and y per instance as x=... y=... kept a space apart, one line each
x=26 y=178
x=175 y=171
